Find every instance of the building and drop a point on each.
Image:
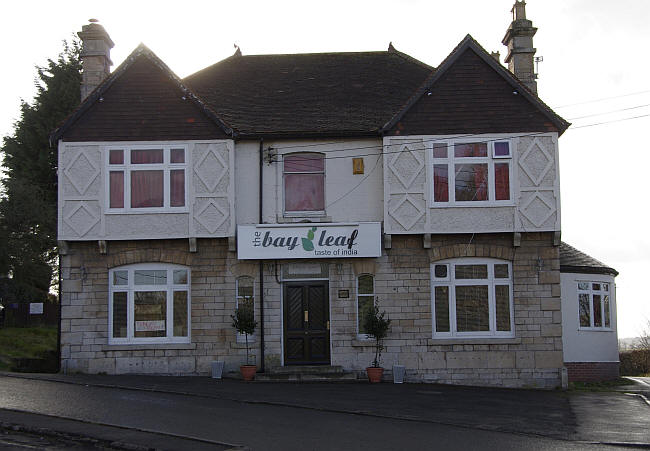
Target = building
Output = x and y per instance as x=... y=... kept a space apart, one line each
x=315 y=184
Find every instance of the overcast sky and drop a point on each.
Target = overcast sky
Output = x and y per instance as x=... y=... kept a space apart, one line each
x=595 y=64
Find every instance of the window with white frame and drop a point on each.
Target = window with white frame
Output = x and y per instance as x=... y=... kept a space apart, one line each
x=472 y=297
x=304 y=183
x=149 y=303
x=146 y=179
x=471 y=173
x=365 y=299
x=594 y=305
x=245 y=289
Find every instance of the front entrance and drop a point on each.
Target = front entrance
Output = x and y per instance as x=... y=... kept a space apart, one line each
x=306 y=323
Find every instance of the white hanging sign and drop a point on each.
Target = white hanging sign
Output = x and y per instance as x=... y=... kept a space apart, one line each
x=322 y=240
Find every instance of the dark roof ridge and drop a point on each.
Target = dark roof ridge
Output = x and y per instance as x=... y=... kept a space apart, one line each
x=468 y=42
x=95 y=95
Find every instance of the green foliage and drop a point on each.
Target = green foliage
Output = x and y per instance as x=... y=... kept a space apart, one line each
x=376 y=325
x=28 y=205
x=635 y=363
x=25 y=342
x=244 y=321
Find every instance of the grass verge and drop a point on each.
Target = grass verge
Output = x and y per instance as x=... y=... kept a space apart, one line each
x=25 y=342
x=599 y=386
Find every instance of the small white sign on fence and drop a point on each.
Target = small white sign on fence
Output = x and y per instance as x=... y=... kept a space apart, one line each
x=35 y=308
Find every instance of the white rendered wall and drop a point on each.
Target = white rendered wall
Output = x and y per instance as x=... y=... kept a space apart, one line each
x=83 y=194
x=535 y=186
x=586 y=345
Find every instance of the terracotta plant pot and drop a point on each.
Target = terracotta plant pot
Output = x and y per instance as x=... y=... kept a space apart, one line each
x=374 y=374
x=248 y=372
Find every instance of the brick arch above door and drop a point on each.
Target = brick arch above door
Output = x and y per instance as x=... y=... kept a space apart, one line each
x=149 y=255
x=471 y=250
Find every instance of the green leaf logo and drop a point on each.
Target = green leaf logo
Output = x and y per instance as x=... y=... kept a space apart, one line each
x=307 y=244
x=310 y=235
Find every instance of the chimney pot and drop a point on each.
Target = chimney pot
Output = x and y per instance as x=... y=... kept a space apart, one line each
x=519 y=40
x=96 y=62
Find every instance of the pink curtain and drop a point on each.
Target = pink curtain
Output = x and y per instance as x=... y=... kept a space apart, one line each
x=502 y=181
x=117 y=189
x=146 y=156
x=304 y=192
x=146 y=189
x=116 y=156
x=440 y=183
x=177 y=188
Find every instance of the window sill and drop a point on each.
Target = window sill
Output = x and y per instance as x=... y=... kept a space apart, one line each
x=290 y=219
x=146 y=211
x=149 y=346
x=473 y=341
x=472 y=204
x=594 y=329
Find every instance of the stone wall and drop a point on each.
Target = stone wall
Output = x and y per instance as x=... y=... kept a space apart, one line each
x=533 y=358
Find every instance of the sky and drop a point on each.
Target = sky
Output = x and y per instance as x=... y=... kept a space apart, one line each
x=594 y=73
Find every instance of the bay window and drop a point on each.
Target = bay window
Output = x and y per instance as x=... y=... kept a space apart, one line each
x=472 y=297
x=471 y=173
x=594 y=305
x=304 y=183
x=149 y=303
x=146 y=179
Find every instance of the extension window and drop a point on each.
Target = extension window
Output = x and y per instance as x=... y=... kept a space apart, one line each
x=472 y=297
x=149 y=303
x=471 y=173
x=594 y=305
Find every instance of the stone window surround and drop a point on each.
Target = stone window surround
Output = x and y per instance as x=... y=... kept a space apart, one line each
x=169 y=287
x=490 y=282
x=490 y=160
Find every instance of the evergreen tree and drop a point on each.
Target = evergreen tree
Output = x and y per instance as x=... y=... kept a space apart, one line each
x=28 y=205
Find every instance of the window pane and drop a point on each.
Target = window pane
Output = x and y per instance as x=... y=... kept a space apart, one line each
x=442 y=309
x=440 y=271
x=472 y=309
x=177 y=156
x=117 y=189
x=501 y=149
x=439 y=150
x=440 y=183
x=470 y=150
x=471 y=271
x=146 y=156
x=146 y=189
x=116 y=156
x=606 y=305
x=120 y=277
x=605 y=287
x=501 y=271
x=304 y=162
x=502 y=181
x=245 y=287
x=585 y=318
x=180 y=313
x=150 y=277
x=150 y=313
x=366 y=284
x=177 y=188
x=598 y=318
x=502 y=297
x=364 y=303
x=180 y=276
x=595 y=286
x=304 y=192
x=471 y=182
x=583 y=286
x=119 y=315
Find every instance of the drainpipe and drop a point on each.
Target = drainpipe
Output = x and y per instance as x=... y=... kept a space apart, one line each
x=261 y=261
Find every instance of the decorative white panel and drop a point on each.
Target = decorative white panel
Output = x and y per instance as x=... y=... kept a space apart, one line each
x=404 y=186
x=213 y=186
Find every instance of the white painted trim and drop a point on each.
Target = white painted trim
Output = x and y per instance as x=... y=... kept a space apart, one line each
x=302 y=214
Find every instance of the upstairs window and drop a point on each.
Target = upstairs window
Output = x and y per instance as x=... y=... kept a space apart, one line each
x=472 y=297
x=304 y=183
x=594 y=308
x=471 y=173
x=146 y=179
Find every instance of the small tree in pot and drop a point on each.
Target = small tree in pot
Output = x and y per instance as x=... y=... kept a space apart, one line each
x=244 y=323
x=376 y=325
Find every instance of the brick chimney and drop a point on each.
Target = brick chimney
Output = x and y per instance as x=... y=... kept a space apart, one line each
x=519 y=40
x=95 y=56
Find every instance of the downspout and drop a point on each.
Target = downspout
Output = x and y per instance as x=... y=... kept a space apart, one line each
x=261 y=261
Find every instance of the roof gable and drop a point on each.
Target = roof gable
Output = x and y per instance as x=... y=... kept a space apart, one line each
x=142 y=100
x=471 y=92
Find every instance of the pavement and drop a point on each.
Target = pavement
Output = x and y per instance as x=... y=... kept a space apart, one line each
x=599 y=418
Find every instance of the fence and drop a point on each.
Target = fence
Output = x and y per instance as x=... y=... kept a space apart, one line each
x=30 y=314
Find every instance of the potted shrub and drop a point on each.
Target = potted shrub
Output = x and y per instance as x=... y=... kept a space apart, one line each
x=376 y=325
x=244 y=323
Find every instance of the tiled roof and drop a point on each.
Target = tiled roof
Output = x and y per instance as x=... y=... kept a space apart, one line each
x=574 y=261
x=309 y=94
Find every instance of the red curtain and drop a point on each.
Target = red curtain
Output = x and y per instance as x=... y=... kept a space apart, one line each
x=502 y=181
x=177 y=188
x=440 y=183
x=117 y=189
x=146 y=156
x=146 y=189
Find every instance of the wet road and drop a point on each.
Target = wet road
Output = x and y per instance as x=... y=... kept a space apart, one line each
x=259 y=426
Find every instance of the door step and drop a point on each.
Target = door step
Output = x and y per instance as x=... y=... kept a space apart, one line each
x=306 y=373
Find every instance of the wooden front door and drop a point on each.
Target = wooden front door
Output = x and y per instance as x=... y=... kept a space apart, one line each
x=306 y=323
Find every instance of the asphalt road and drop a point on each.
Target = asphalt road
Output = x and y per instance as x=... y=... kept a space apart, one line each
x=260 y=426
